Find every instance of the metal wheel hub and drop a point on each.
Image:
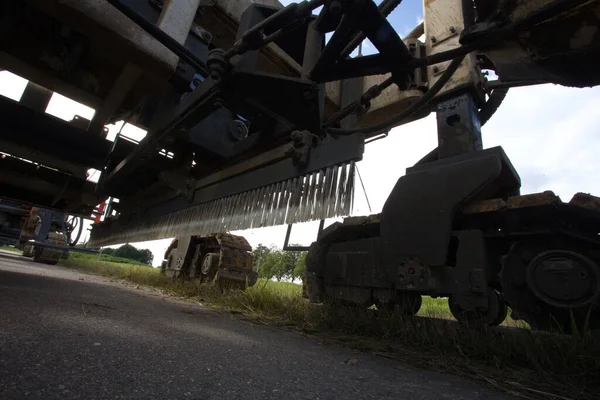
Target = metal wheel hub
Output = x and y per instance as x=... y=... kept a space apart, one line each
x=493 y=315
x=564 y=279
x=210 y=261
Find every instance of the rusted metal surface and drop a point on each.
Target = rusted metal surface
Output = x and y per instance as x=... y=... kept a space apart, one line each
x=535 y=199
x=236 y=259
x=233 y=241
x=484 y=206
x=363 y=220
x=235 y=278
x=586 y=200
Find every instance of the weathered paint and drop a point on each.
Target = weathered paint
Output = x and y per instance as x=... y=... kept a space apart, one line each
x=534 y=199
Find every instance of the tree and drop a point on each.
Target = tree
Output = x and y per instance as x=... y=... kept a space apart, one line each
x=146 y=256
x=278 y=264
x=109 y=251
x=300 y=267
x=268 y=265
x=128 y=251
x=258 y=255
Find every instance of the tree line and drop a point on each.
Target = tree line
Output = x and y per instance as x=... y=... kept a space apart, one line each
x=271 y=262
x=128 y=251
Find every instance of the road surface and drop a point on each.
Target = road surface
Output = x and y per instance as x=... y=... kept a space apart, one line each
x=68 y=335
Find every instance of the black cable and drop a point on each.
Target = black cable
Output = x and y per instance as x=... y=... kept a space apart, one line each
x=493 y=85
x=492 y=104
x=161 y=36
x=78 y=236
x=442 y=57
x=370 y=94
x=422 y=102
x=299 y=10
x=363 y=188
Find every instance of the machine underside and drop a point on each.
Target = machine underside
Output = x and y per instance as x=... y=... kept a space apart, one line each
x=254 y=119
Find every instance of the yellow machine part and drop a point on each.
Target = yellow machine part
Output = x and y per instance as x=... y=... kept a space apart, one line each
x=48 y=255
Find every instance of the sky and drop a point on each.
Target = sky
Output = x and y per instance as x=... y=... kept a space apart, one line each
x=550 y=133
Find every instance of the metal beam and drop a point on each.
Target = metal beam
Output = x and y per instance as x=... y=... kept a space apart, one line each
x=117 y=94
x=177 y=17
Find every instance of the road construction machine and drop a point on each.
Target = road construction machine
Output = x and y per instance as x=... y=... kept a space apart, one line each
x=222 y=259
x=42 y=234
x=257 y=113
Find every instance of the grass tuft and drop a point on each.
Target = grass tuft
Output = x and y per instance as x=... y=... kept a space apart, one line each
x=522 y=362
x=10 y=248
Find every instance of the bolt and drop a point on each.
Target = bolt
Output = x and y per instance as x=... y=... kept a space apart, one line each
x=296 y=137
x=206 y=35
x=335 y=7
x=452 y=29
x=433 y=40
x=436 y=70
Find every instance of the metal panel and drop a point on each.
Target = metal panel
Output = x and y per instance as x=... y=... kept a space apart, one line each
x=177 y=17
x=95 y=18
x=444 y=21
x=417 y=217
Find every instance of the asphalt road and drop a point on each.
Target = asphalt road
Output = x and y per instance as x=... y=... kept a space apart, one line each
x=68 y=335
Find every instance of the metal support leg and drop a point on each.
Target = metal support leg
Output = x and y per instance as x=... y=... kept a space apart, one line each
x=459 y=128
x=36 y=97
x=315 y=42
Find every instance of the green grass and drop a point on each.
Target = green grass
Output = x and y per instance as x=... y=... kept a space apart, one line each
x=105 y=258
x=519 y=361
x=10 y=248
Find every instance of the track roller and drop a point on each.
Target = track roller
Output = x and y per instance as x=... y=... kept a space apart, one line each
x=493 y=315
x=406 y=304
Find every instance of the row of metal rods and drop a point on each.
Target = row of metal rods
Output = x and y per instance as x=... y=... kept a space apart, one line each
x=319 y=195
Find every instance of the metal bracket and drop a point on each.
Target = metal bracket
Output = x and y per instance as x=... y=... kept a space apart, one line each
x=287 y=247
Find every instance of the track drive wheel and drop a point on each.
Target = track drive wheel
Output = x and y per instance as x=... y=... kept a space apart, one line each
x=210 y=265
x=493 y=315
x=173 y=264
x=406 y=304
x=553 y=283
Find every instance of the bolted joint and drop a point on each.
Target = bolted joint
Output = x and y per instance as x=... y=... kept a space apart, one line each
x=299 y=151
x=336 y=7
x=216 y=63
x=238 y=130
x=308 y=94
x=304 y=9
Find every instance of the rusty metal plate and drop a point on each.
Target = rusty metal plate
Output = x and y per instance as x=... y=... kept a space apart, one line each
x=484 y=206
x=235 y=259
x=585 y=200
x=535 y=199
x=363 y=220
x=233 y=241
